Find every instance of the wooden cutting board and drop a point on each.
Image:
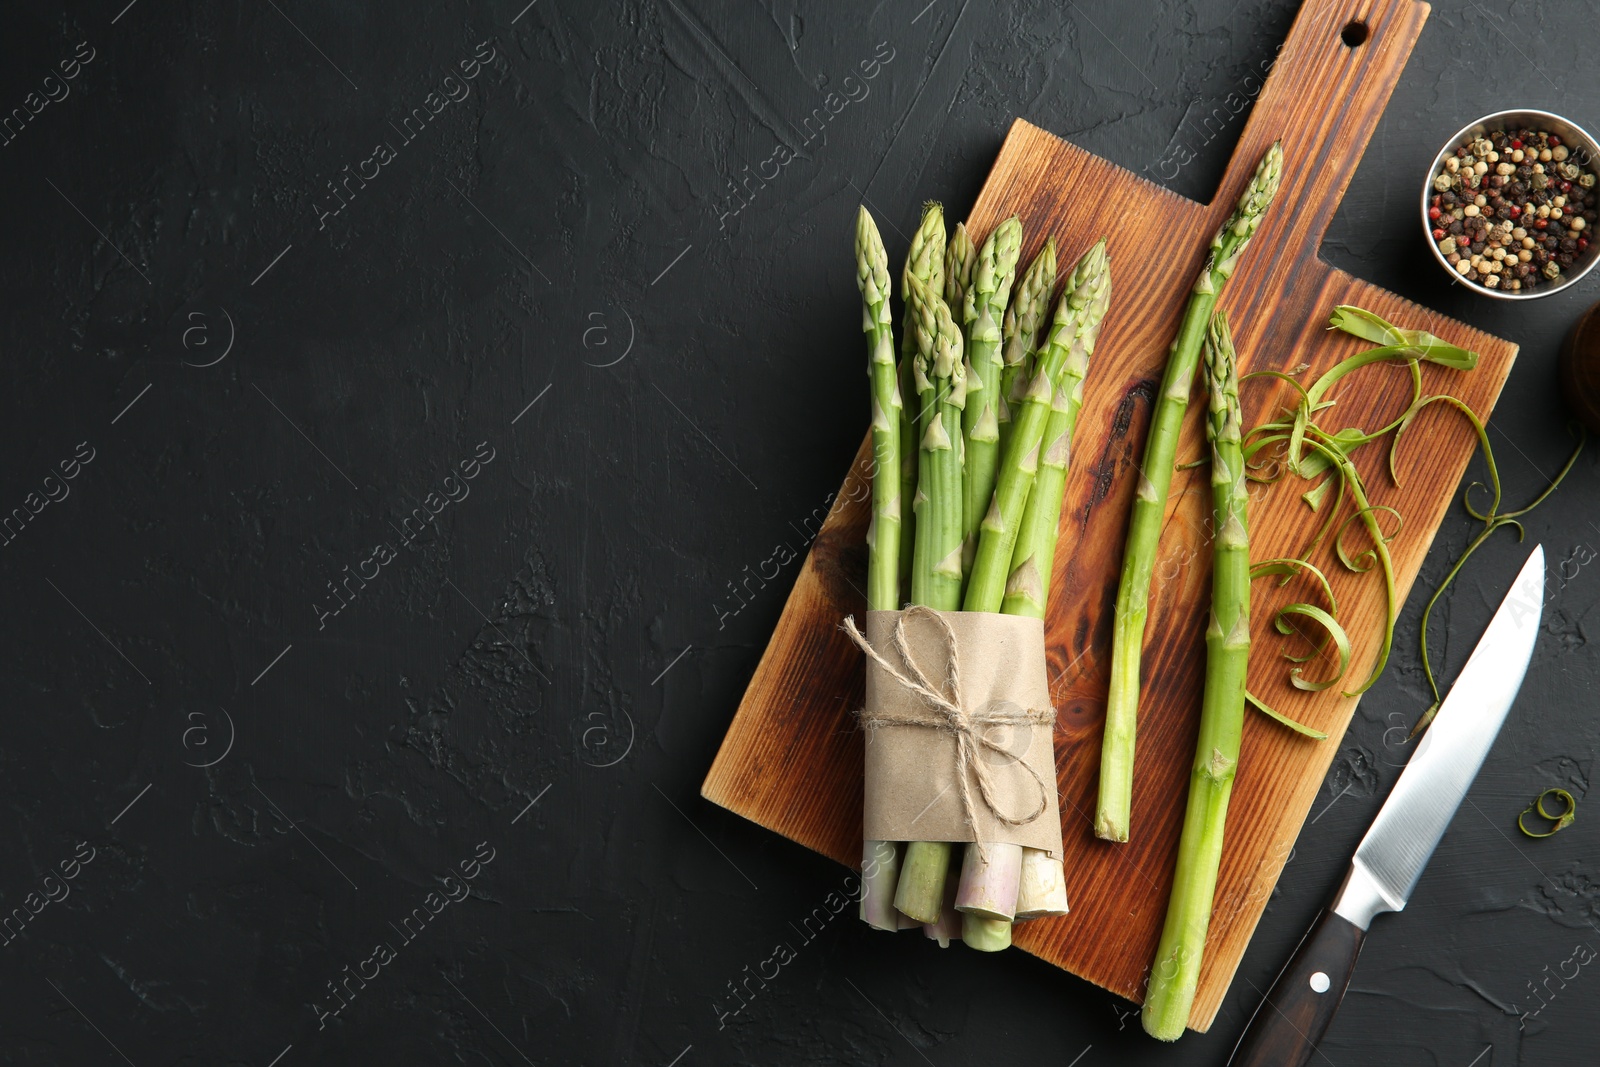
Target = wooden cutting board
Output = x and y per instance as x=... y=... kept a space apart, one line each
x=792 y=758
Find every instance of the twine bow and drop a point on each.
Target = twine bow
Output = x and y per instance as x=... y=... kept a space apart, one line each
x=951 y=715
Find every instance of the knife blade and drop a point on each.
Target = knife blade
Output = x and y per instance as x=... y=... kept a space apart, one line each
x=1294 y=1015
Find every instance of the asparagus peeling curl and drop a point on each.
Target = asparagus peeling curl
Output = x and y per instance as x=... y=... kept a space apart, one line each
x=1149 y=502
x=1175 y=973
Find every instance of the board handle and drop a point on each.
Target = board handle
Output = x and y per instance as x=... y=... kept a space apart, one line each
x=1325 y=93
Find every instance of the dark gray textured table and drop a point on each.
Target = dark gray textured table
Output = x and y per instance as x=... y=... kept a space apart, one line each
x=427 y=372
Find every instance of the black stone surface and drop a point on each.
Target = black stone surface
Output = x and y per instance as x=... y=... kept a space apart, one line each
x=254 y=784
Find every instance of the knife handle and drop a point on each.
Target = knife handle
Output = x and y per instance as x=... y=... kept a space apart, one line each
x=1291 y=1020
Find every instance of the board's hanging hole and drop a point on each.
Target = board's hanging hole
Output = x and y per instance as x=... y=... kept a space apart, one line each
x=1354 y=34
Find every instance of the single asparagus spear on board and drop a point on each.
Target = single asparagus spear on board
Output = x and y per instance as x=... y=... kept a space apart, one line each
x=1149 y=502
x=1176 y=971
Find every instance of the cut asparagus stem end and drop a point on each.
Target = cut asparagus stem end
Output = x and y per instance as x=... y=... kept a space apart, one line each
x=920 y=893
x=985 y=935
x=880 y=873
x=906 y=921
x=1043 y=887
x=948 y=928
x=989 y=880
x=1111 y=821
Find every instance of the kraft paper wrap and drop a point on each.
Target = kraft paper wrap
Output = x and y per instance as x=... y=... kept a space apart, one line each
x=913 y=788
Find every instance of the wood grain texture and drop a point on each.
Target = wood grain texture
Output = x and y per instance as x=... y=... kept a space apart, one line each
x=792 y=760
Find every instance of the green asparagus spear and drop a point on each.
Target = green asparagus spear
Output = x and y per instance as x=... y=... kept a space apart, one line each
x=960 y=262
x=983 y=312
x=1030 y=303
x=959 y=256
x=1149 y=503
x=941 y=391
x=883 y=535
x=1077 y=320
x=925 y=260
x=936 y=572
x=1176 y=971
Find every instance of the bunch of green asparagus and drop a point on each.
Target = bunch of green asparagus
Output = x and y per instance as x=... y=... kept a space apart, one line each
x=974 y=430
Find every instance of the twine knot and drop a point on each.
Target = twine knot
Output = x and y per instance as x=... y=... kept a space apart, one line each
x=949 y=714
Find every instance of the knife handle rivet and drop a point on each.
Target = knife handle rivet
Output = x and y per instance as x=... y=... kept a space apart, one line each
x=1319 y=983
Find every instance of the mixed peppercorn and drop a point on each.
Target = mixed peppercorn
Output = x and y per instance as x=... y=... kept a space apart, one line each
x=1513 y=210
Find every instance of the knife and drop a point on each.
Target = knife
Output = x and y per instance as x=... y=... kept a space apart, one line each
x=1293 y=1017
